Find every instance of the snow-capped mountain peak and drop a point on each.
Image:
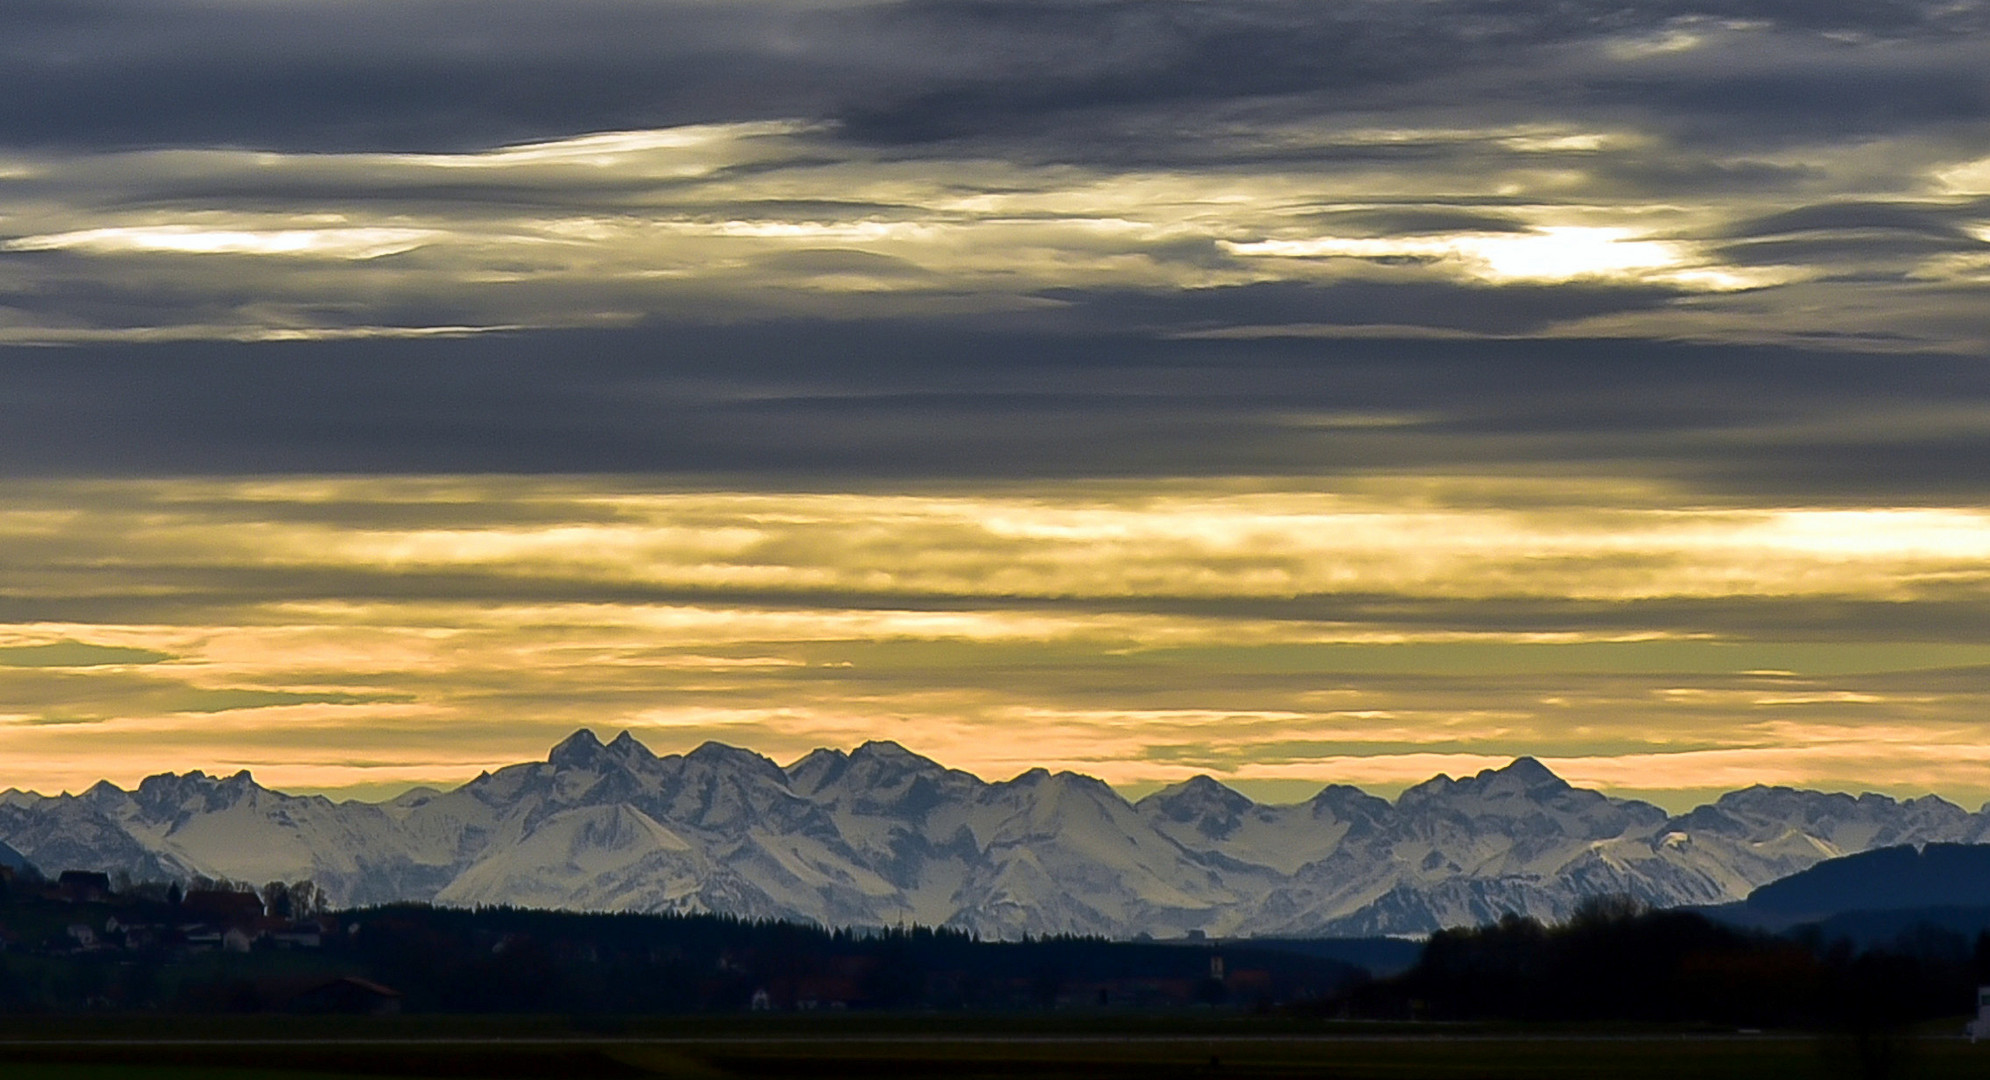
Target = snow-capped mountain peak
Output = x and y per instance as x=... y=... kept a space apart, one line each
x=720 y=756
x=1214 y=810
x=1196 y=795
x=581 y=750
x=815 y=769
x=625 y=748
x=1526 y=772
x=1524 y=777
x=887 y=750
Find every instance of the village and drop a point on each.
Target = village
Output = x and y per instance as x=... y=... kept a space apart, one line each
x=154 y=917
x=113 y=939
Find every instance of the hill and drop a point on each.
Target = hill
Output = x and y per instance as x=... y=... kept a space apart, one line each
x=1885 y=879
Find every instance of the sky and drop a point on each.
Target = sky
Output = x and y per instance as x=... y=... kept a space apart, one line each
x=1292 y=391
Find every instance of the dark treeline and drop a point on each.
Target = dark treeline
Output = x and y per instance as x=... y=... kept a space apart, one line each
x=88 y=944
x=526 y=960
x=83 y=945
x=1617 y=961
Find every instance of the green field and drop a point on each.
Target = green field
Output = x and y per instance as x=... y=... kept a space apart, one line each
x=941 y=1048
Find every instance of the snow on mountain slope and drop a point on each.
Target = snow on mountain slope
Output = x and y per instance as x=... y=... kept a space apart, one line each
x=1065 y=853
x=63 y=832
x=233 y=827
x=880 y=835
x=1205 y=817
x=1757 y=835
x=593 y=858
x=1521 y=819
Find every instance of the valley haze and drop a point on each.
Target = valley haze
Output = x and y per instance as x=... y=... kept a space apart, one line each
x=883 y=836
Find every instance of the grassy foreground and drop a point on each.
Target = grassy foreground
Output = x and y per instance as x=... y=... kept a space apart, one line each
x=944 y=1048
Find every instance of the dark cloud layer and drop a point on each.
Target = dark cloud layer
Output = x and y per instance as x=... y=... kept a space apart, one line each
x=1508 y=309
x=386 y=74
x=841 y=403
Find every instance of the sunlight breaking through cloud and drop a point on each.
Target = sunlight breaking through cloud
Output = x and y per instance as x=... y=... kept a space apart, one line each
x=785 y=217
x=1550 y=253
x=356 y=243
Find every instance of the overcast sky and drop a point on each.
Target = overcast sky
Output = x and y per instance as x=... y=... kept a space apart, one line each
x=1290 y=390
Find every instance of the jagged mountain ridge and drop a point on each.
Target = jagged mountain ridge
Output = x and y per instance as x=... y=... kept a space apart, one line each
x=881 y=835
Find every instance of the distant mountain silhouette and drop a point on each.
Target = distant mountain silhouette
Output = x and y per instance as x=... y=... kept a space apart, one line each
x=13 y=860
x=1884 y=879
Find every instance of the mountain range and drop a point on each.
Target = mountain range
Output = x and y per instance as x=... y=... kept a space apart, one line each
x=883 y=836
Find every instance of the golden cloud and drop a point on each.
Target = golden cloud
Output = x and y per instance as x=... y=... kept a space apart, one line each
x=354 y=633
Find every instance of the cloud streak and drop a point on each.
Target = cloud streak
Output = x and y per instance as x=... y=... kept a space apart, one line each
x=1139 y=631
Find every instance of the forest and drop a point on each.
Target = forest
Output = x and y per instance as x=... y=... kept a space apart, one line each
x=1615 y=960
x=85 y=944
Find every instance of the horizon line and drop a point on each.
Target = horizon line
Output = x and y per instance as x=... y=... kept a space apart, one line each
x=1139 y=792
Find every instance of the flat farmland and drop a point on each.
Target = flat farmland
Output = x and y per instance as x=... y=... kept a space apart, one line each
x=940 y=1048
